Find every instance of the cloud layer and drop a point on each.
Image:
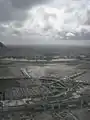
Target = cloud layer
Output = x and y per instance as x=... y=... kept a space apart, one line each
x=67 y=19
x=25 y=4
x=72 y=18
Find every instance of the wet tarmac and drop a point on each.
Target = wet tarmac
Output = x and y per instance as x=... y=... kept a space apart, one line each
x=60 y=70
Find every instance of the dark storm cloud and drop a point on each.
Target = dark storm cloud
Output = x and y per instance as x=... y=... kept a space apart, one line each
x=26 y=3
x=5 y=10
x=9 y=13
x=19 y=15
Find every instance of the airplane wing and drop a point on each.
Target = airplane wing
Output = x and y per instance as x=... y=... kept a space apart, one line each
x=71 y=77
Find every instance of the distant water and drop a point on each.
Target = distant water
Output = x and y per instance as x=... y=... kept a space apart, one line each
x=28 y=51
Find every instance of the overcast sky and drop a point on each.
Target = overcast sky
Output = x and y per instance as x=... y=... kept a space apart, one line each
x=43 y=21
